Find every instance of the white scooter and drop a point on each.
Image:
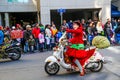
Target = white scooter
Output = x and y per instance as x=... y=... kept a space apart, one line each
x=53 y=63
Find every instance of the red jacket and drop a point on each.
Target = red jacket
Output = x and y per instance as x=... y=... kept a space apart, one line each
x=36 y=32
x=77 y=36
x=77 y=39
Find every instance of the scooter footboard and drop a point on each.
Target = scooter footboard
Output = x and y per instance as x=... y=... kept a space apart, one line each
x=51 y=59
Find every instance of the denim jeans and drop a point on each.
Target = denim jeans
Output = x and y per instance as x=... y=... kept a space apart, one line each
x=52 y=45
x=31 y=48
x=26 y=47
x=109 y=38
x=48 y=47
x=41 y=46
x=36 y=44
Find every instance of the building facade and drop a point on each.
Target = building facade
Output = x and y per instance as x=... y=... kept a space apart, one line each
x=104 y=7
x=95 y=9
x=14 y=9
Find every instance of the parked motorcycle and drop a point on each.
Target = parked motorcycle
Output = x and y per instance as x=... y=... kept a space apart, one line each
x=12 y=51
x=93 y=63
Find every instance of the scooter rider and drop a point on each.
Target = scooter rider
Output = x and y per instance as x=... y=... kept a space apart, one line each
x=76 y=50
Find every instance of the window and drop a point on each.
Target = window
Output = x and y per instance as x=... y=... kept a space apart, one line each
x=23 y=1
x=20 y=1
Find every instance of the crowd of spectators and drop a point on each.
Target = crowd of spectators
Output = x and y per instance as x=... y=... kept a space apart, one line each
x=40 y=37
x=111 y=29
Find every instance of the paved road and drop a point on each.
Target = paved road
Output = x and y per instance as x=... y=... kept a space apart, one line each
x=31 y=67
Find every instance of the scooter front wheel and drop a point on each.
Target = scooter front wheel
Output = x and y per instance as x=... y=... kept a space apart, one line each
x=15 y=55
x=52 y=69
x=98 y=68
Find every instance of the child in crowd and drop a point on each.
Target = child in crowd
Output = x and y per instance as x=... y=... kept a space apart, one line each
x=31 y=43
x=41 y=41
x=52 y=42
x=47 y=42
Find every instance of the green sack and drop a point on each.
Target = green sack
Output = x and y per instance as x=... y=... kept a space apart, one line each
x=100 y=42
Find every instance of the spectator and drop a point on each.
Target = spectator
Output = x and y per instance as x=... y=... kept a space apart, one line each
x=1 y=35
x=117 y=34
x=94 y=30
x=88 y=22
x=52 y=42
x=35 y=32
x=54 y=30
x=118 y=21
x=58 y=35
x=99 y=28
x=31 y=43
x=108 y=30
x=91 y=32
x=115 y=25
x=47 y=43
x=117 y=30
x=84 y=24
x=18 y=26
x=48 y=31
x=65 y=24
x=42 y=28
x=12 y=33
x=70 y=24
x=41 y=41
x=88 y=25
x=19 y=30
x=63 y=28
x=26 y=36
x=48 y=36
x=7 y=33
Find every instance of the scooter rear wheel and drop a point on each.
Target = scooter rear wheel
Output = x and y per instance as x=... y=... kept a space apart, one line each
x=52 y=69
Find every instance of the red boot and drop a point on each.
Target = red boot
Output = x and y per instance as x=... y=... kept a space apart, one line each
x=83 y=72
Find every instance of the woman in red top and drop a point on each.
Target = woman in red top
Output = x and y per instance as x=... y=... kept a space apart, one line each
x=76 y=50
x=35 y=32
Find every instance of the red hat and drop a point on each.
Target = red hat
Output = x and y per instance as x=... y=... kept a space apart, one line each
x=7 y=28
x=1 y=27
x=17 y=25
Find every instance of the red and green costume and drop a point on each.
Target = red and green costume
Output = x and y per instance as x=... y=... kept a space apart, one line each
x=76 y=50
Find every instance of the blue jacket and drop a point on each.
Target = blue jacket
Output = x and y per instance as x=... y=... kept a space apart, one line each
x=1 y=37
x=59 y=34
